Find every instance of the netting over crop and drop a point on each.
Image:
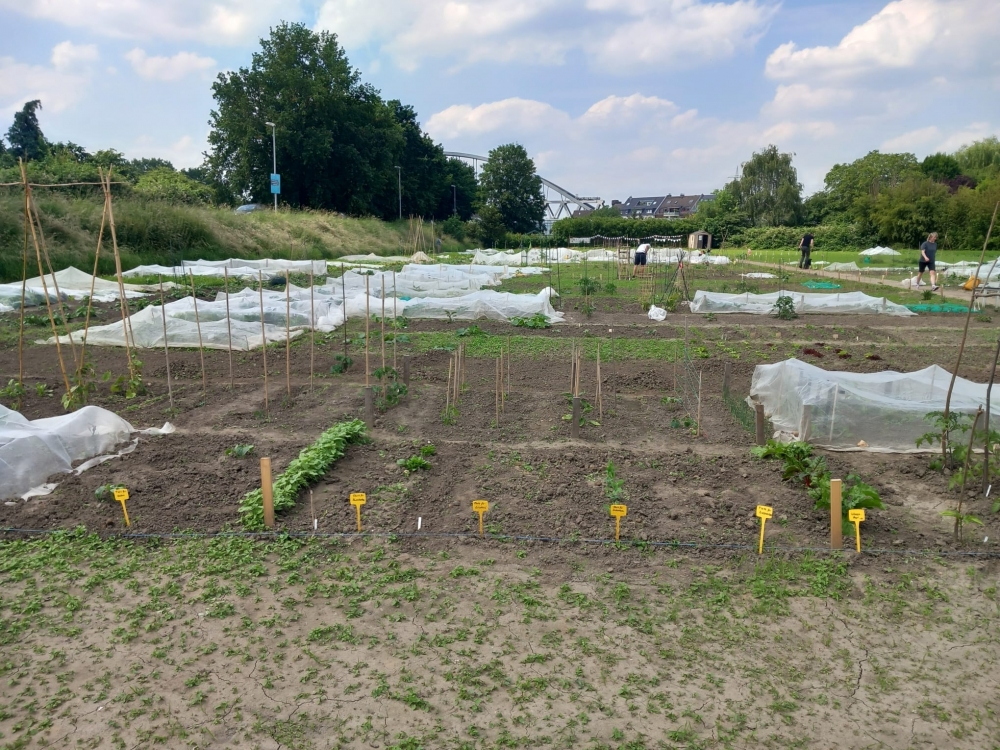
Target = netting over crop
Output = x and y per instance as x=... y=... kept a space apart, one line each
x=839 y=410
x=848 y=303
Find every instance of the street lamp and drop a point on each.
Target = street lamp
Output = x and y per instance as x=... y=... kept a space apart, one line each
x=399 y=185
x=274 y=158
x=454 y=200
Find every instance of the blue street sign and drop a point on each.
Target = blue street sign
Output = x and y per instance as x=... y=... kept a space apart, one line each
x=276 y=184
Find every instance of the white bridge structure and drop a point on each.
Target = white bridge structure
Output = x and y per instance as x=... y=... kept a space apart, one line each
x=559 y=202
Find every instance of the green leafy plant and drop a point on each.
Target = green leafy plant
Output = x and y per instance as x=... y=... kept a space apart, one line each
x=700 y=352
x=614 y=488
x=340 y=364
x=391 y=391
x=950 y=429
x=428 y=450
x=414 y=463
x=538 y=320
x=667 y=400
x=14 y=393
x=960 y=520
x=449 y=415
x=983 y=318
x=239 y=451
x=311 y=464
x=610 y=288
x=472 y=330
x=671 y=302
x=927 y=294
x=784 y=308
x=106 y=491
x=130 y=385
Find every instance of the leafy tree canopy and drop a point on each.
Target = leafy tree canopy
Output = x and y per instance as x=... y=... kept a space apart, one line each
x=980 y=160
x=508 y=183
x=940 y=167
x=25 y=134
x=768 y=190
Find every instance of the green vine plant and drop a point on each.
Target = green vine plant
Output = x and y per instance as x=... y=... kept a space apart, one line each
x=585 y=408
x=588 y=286
x=340 y=365
x=390 y=393
x=614 y=488
x=81 y=388
x=449 y=415
x=960 y=520
x=538 y=320
x=784 y=308
x=130 y=385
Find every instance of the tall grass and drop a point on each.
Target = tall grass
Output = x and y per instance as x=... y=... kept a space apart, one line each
x=163 y=233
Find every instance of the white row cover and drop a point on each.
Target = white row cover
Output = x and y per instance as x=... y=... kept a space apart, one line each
x=567 y=255
x=325 y=311
x=269 y=265
x=879 y=250
x=73 y=284
x=850 y=303
x=32 y=451
x=180 y=273
x=839 y=410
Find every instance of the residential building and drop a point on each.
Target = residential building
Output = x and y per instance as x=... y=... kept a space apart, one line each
x=662 y=206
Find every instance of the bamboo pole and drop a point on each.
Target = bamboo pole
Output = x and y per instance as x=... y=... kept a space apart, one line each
x=166 y=352
x=263 y=343
x=229 y=327
x=508 y=365
x=986 y=445
x=961 y=346
x=201 y=347
x=288 y=335
x=383 y=327
x=90 y=299
x=52 y=273
x=343 y=297
x=395 y=328
x=698 y=425
x=123 y=303
x=368 y=318
x=24 y=288
x=447 y=390
x=312 y=335
x=41 y=272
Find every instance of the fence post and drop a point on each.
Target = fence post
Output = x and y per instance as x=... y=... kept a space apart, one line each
x=369 y=407
x=267 y=492
x=759 y=421
x=836 y=533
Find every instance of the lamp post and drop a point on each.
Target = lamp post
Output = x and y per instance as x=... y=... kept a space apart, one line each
x=399 y=186
x=274 y=158
x=454 y=200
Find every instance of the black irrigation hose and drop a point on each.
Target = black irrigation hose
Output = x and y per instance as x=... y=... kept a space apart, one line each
x=497 y=537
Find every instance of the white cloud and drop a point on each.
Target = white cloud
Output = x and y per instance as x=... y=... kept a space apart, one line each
x=211 y=21
x=615 y=37
x=58 y=87
x=185 y=152
x=931 y=34
x=67 y=55
x=616 y=110
x=799 y=98
x=911 y=140
x=509 y=116
x=974 y=132
x=158 y=68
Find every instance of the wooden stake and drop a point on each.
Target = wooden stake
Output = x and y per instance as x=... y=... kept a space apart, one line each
x=383 y=328
x=697 y=428
x=758 y=409
x=447 y=391
x=90 y=299
x=368 y=318
x=961 y=347
x=395 y=328
x=267 y=491
x=55 y=283
x=508 y=365
x=201 y=348
x=166 y=353
x=312 y=333
x=24 y=288
x=229 y=325
x=836 y=517
x=343 y=292
x=263 y=344
x=41 y=272
x=123 y=300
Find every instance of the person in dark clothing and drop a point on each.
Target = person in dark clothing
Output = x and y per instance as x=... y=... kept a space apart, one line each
x=805 y=247
x=927 y=252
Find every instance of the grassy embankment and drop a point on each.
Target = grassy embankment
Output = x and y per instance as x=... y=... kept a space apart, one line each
x=166 y=234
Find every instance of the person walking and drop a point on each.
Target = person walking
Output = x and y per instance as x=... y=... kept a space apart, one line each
x=927 y=252
x=805 y=248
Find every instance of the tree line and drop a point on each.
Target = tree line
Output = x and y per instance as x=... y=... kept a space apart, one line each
x=339 y=146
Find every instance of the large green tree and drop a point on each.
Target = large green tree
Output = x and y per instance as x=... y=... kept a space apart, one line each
x=768 y=189
x=851 y=189
x=509 y=184
x=25 y=134
x=337 y=141
x=980 y=160
x=906 y=213
x=463 y=200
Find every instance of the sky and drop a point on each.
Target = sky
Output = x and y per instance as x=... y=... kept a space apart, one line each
x=611 y=99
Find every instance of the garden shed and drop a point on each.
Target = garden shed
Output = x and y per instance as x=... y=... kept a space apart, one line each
x=699 y=241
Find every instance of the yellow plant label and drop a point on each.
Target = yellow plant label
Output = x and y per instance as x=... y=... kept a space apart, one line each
x=480 y=506
x=764 y=511
x=358 y=498
x=857 y=514
x=121 y=494
x=619 y=511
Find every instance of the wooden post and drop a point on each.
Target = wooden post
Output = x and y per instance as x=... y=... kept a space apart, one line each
x=836 y=517
x=383 y=330
x=395 y=328
x=229 y=324
x=368 y=318
x=166 y=351
x=201 y=349
x=312 y=331
x=574 y=427
x=406 y=370
x=123 y=301
x=447 y=392
x=343 y=297
x=263 y=342
x=267 y=491
x=90 y=299
x=288 y=335
x=758 y=409
x=508 y=366
x=369 y=407
x=697 y=428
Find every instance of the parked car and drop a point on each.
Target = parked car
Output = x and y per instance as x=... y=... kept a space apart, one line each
x=249 y=207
